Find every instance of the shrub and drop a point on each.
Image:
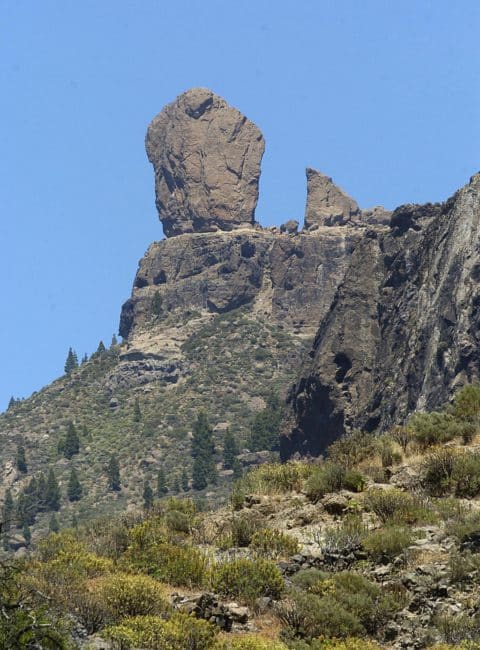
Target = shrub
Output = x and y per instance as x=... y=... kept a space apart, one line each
x=178 y=522
x=345 y=538
x=466 y=474
x=273 y=543
x=273 y=478
x=342 y=604
x=462 y=567
x=438 y=470
x=387 y=543
x=177 y=565
x=452 y=471
x=244 y=526
x=393 y=505
x=352 y=448
x=457 y=628
x=131 y=595
x=248 y=642
x=152 y=632
x=331 y=477
x=247 y=579
x=429 y=429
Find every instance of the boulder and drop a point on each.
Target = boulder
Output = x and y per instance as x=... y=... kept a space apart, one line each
x=206 y=156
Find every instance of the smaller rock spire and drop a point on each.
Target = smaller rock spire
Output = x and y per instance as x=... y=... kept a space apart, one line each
x=327 y=204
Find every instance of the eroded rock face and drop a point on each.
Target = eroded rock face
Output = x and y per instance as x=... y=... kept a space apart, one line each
x=404 y=328
x=206 y=156
x=327 y=204
x=291 y=277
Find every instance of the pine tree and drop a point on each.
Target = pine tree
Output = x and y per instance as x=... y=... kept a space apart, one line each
x=53 y=525
x=25 y=510
x=52 y=496
x=199 y=474
x=203 y=450
x=162 y=487
x=137 y=413
x=74 y=521
x=71 y=362
x=114 y=341
x=185 y=481
x=100 y=349
x=74 y=488
x=84 y=358
x=27 y=534
x=11 y=403
x=147 y=496
x=237 y=470
x=157 y=304
x=230 y=450
x=71 y=444
x=113 y=474
x=21 y=460
x=266 y=426
x=7 y=512
x=41 y=492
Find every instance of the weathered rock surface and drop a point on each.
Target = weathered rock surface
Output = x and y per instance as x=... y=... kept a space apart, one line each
x=206 y=156
x=327 y=204
x=404 y=328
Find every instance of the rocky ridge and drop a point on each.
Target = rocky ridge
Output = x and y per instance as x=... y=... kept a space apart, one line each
x=403 y=329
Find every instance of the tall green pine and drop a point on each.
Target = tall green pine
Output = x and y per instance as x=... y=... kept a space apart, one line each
x=162 y=487
x=203 y=453
x=7 y=512
x=230 y=450
x=71 y=362
x=71 y=444
x=113 y=474
x=137 y=412
x=185 y=481
x=53 y=525
x=74 y=488
x=266 y=426
x=21 y=461
x=52 y=497
x=147 y=496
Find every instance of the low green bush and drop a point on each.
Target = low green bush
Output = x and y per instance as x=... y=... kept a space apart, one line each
x=434 y=428
x=344 y=538
x=387 y=543
x=395 y=506
x=247 y=580
x=244 y=526
x=248 y=642
x=331 y=477
x=153 y=632
x=336 y=605
x=275 y=478
x=273 y=543
x=352 y=448
x=172 y=563
x=452 y=471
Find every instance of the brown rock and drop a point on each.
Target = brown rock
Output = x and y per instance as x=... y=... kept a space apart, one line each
x=327 y=204
x=206 y=157
x=402 y=333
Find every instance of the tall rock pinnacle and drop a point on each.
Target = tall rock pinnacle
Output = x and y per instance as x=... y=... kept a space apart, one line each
x=206 y=156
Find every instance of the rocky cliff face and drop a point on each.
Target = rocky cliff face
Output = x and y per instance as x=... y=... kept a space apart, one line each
x=403 y=330
x=206 y=157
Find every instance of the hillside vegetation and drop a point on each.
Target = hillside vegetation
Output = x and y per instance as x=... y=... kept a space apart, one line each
x=376 y=546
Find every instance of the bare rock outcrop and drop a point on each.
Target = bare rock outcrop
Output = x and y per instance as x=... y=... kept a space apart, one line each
x=327 y=204
x=403 y=331
x=206 y=156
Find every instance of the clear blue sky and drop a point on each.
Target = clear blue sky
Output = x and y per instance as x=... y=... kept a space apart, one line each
x=380 y=94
